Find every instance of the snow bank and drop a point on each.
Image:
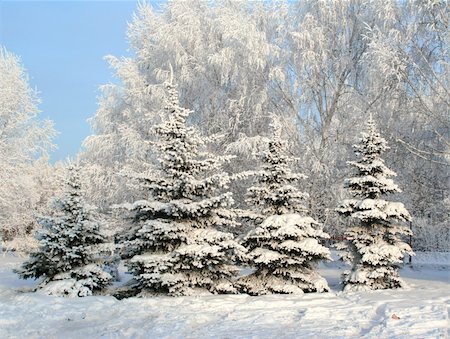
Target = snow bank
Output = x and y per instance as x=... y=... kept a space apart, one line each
x=422 y=311
x=431 y=258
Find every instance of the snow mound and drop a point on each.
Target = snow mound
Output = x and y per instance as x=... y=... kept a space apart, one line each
x=419 y=312
x=431 y=258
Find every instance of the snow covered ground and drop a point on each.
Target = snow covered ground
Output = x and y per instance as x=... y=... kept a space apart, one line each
x=422 y=311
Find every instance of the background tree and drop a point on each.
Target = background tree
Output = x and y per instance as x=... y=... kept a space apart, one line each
x=409 y=72
x=219 y=60
x=24 y=142
x=175 y=245
x=320 y=66
x=67 y=257
x=374 y=248
x=122 y=125
x=285 y=247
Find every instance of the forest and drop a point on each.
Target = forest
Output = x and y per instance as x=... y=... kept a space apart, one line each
x=243 y=117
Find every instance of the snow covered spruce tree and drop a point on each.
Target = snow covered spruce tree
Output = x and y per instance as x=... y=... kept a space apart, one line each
x=374 y=247
x=285 y=247
x=175 y=246
x=67 y=258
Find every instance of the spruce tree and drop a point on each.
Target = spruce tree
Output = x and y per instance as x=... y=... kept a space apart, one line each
x=67 y=258
x=175 y=245
x=285 y=246
x=374 y=246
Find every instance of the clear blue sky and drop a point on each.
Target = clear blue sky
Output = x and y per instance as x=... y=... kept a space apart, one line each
x=62 y=45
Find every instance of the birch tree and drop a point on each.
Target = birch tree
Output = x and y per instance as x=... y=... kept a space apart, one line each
x=24 y=143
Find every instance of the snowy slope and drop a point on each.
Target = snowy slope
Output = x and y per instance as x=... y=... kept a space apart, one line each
x=423 y=311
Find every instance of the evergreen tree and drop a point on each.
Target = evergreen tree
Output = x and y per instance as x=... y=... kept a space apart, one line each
x=67 y=258
x=374 y=247
x=285 y=247
x=175 y=246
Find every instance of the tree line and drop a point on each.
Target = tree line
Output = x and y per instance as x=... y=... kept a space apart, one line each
x=178 y=241
x=320 y=68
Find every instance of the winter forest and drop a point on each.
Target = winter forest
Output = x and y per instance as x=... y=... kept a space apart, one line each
x=245 y=146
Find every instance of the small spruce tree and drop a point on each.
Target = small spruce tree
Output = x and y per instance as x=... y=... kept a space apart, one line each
x=374 y=247
x=285 y=247
x=67 y=258
x=175 y=246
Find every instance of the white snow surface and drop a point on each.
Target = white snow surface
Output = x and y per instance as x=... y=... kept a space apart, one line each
x=420 y=311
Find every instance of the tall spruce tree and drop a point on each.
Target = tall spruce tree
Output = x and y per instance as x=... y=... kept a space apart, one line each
x=374 y=246
x=175 y=246
x=67 y=258
x=285 y=247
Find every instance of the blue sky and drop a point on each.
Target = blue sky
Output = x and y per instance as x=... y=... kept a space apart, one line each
x=62 y=45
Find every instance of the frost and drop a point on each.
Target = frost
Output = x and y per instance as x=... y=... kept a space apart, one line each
x=26 y=177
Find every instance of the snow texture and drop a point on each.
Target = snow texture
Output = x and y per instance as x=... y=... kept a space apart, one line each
x=421 y=311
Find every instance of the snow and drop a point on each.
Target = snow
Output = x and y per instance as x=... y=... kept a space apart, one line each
x=380 y=253
x=431 y=258
x=263 y=255
x=375 y=209
x=420 y=311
